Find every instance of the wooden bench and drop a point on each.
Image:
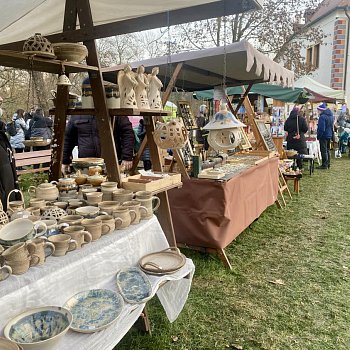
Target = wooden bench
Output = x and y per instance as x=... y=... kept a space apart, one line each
x=32 y=158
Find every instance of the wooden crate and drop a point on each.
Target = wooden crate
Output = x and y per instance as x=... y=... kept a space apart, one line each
x=151 y=183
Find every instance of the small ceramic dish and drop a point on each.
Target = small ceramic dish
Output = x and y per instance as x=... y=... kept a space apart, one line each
x=94 y=310
x=40 y=328
x=134 y=285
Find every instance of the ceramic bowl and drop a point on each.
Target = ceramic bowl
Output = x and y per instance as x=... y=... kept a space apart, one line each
x=18 y=230
x=40 y=328
x=88 y=212
x=71 y=219
x=72 y=52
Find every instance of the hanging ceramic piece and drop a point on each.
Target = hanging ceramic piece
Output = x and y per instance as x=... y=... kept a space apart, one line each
x=170 y=135
x=39 y=46
x=141 y=88
x=224 y=130
x=155 y=85
x=63 y=80
x=127 y=83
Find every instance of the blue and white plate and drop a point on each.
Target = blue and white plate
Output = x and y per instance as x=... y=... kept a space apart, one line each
x=134 y=285
x=94 y=310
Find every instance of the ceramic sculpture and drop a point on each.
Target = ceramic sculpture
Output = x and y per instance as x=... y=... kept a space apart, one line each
x=141 y=88
x=127 y=83
x=155 y=85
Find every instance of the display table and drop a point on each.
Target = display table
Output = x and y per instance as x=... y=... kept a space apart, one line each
x=212 y=213
x=95 y=266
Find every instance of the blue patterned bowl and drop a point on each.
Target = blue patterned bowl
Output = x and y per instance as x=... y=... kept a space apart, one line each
x=39 y=328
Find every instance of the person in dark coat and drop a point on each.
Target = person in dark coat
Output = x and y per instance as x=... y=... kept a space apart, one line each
x=146 y=157
x=202 y=120
x=296 y=127
x=82 y=131
x=8 y=177
x=325 y=130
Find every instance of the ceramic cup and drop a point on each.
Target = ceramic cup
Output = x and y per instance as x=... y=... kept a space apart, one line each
x=5 y=272
x=63 y=243
x=53 y=228
x=107 y=189
x=79 y=234
x=108 y=223
x=19 y=251
x=143 y=194
x=88 y=212
x=88 y=190
x=94 y=226
x=94 y=197
x=71 y=219
x=108 y=206
x=151 y=204
x=123 y=217
x=43 y=249
x=62 y=205
x=121 y=195
x=34 y=210
x=138 y=208
x=37 y=202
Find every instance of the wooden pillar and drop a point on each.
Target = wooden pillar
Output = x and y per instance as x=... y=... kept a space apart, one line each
x=58 y=134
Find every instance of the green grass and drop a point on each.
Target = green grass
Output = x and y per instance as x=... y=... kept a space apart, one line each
x=306 y=246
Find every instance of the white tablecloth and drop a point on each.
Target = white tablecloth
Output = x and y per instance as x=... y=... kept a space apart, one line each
x=95 y=266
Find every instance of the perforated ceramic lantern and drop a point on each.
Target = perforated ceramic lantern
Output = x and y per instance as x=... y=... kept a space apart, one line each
x=224 y=130
x=171 y=135
x=38 y=45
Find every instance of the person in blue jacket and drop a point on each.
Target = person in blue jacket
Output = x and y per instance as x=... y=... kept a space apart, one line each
x=325 y=130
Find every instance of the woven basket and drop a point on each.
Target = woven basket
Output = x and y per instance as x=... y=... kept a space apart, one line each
x=39 y=46
x=170 y=135
x=3 y=218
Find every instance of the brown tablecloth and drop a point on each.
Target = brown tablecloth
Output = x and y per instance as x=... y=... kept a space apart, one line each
x=209 y=213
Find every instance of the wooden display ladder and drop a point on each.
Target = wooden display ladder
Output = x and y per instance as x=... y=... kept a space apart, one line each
x=282 y=187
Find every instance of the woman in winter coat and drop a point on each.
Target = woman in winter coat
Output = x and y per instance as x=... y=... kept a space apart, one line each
x=16 y=141
x=296 y=127
x=40 y=126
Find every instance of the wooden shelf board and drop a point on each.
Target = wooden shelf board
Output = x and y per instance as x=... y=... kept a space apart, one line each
x=117 y=112
x=20 y=61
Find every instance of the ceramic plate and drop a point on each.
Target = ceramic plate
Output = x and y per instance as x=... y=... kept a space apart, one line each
x=94 y=309
x=162 y=263
x=134 y=285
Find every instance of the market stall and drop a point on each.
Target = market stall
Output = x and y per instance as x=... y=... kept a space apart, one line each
x=96 y=264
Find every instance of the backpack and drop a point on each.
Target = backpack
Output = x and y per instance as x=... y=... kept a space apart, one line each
x=11 y=128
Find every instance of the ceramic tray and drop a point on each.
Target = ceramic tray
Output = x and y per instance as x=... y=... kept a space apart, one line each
x=94 y=309
x=134 y=285
x=163 y=263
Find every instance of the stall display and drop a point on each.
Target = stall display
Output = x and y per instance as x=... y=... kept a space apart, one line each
x=278 y=119
x=185 y=113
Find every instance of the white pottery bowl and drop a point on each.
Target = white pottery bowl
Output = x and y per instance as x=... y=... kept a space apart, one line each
x=40 y=328
x=19 y=230
x=88 y=211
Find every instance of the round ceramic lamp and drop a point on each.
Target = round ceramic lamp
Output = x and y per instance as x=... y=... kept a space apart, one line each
x=224 y=130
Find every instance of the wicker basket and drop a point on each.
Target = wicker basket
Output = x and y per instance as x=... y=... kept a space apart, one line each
x=3 y=218
x=39 y=46
x=170 y=135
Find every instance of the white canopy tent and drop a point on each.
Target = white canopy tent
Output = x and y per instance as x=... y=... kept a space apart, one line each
x=314 y=86
x=22 y=18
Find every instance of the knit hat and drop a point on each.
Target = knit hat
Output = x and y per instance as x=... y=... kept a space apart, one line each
x=322 y=107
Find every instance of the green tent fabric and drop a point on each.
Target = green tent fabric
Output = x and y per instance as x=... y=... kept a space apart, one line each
x=276 y=92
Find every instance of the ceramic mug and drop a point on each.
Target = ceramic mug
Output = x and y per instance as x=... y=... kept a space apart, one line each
x=63 y=243
x=94 y=197
x=108 y=223
x=108 y=206
x=88 y=190
x=151 y=204
x=63 y=205
x=143 y=194
x=34 y=210
x=88 y=212
x=43 y=249
x=123 y=217
x=19 y=251
x=5 y=272
x=122 y=195
x=79 y=234
x=94 y=226
x=19 y=267
x=71 y=219
x=136 y=206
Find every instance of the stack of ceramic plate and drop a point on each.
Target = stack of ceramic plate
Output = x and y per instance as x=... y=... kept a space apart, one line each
x=163 y=263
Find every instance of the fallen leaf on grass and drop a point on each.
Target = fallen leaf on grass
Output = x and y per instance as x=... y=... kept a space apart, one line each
x=174 y=338
x=278 y=281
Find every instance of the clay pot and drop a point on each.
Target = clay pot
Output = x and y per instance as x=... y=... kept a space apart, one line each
x=47 y=191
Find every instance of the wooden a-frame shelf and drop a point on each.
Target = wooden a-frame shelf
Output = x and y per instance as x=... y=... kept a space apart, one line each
x=19 y=60
x=116 y=112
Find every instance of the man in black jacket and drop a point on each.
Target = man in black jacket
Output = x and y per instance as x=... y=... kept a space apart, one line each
x=82 y=131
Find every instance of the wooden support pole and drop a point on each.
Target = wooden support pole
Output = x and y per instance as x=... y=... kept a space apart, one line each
x=169 y=88
x=59 y=127
x=245 y=96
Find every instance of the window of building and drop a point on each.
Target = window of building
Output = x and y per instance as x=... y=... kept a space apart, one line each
x=313 y=56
